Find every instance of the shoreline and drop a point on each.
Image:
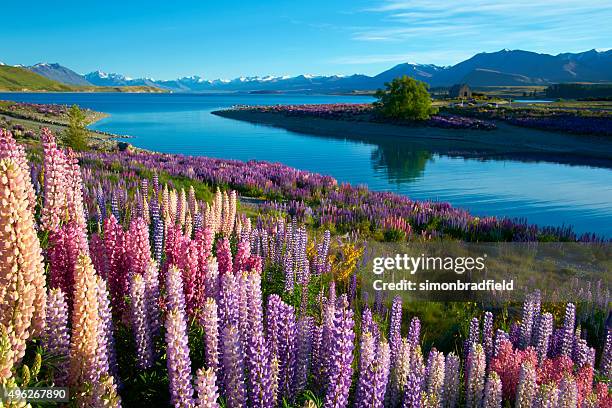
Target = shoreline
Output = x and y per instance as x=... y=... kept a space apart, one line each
x=505 y=142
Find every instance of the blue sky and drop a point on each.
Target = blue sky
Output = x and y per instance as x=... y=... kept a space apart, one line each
x=227 y=39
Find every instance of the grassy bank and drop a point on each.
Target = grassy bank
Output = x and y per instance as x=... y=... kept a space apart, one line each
x=504 y=142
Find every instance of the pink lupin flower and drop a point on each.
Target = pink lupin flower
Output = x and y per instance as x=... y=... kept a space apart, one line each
x=224 y=256
x=138 y=248
x=22 y=279
x=56 y=177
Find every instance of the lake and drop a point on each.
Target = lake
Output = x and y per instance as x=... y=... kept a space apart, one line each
x=544 y=193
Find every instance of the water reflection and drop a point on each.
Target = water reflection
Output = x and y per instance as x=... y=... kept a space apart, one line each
x=400 y=163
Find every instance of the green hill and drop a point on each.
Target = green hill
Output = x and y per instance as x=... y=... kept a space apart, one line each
x=21 y=79
x=16 y=79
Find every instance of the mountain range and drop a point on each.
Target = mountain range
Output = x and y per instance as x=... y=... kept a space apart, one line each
x=501 y=68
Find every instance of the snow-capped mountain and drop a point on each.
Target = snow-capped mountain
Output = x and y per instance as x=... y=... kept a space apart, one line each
x=499 y=68
x=59 y=73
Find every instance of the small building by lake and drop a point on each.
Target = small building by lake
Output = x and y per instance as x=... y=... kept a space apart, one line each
x=460 y=91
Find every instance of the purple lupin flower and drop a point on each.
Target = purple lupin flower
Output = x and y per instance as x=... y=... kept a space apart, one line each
x=473 y=336
x=233 y=368
x=57 y=336
x=567 y=344
x=305 y=327
x=210 y=322
x=287 y=348
x=340 y=357
x=435 y=378
x=414 y=333
x=500 y=337
x=227 y=301
x=374 y=366
x=515 y=334
x=527 y=387
x=206 y=387
x=492 y=391
x=400 y=368
x=606 y=357
x=487 y=335
x=547 y=396
x=178 y=363
x=414 y=382
x=366 y=356
x=395 y=336
x=451 y=380
x=568 y=392
x=543 y=335
x=257 y=354
x=526 y=323
x=151 y=281
x=140 y=322
x=317 y=353
x=106 y=330
x=104 y=324
x=476 y=370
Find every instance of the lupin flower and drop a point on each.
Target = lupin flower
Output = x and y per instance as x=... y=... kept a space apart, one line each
x=106 y=342
x=140 y=322
x=507 y=364
x=373 y=372
x=413 y=391
x=10 y=149
x=257 y=354
x=138 y=249
x=568 y=393
x=206 y=387
x=114 y=243
x=395 y=336
x=400 y=368
x=569 y=323
x=210 y=322
x=55 y=183
x=22 y=279
x=57 y=337
x=341 y=357
x=527 y=387
x=451 y=381
x=224 y=256
x=303 y=360
x=435 y=377
x=151 y=280
x=547 y=396
x=492 y=392
x=476 y=371
x=487 y=335
x=414 y=333
x=178 y=363
x=606 y=357
x=84 y=341
x=543 y=335
x=233 y=368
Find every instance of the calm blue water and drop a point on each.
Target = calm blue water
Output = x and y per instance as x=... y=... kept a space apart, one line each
x=544 y=193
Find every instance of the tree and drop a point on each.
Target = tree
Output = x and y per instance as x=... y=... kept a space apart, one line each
x=405 y=98
x=76 y=134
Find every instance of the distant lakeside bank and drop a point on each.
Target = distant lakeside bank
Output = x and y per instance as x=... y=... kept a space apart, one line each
x=505 y=142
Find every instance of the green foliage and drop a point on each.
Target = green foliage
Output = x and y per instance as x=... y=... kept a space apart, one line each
x=405 y=98
x=76 y=135
x=394 y=235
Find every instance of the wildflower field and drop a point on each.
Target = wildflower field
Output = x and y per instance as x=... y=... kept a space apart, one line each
x=140 y=279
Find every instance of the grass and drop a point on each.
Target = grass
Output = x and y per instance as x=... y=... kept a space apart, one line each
x=17 y=79
x=21 y=79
